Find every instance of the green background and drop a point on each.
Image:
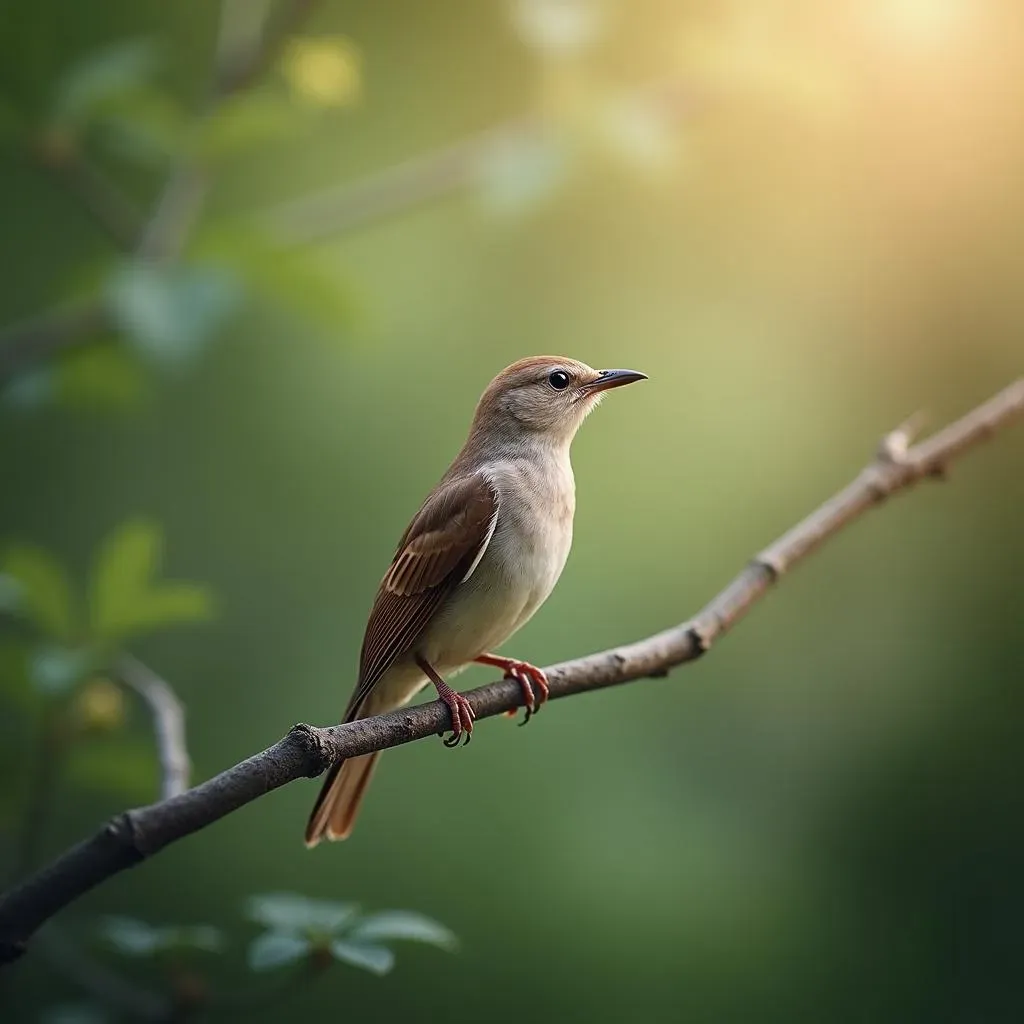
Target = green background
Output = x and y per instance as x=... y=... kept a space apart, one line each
x=822 y=819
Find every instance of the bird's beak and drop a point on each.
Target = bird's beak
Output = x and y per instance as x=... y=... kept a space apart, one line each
x=612 y=379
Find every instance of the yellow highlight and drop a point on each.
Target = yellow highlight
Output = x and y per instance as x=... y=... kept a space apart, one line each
x=325 y=71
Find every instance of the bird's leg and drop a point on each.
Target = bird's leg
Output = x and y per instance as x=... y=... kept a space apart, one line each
x=458 y=706
x=526 y=675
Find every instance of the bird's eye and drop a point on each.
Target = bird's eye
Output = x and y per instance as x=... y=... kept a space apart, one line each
x=558 y=379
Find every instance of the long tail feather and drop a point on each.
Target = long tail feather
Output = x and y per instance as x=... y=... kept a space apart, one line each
x=334 y=813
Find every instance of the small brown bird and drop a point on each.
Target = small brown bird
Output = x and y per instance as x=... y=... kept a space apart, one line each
x=478 y=559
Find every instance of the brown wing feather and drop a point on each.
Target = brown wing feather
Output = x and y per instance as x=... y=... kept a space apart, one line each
x=443 y=542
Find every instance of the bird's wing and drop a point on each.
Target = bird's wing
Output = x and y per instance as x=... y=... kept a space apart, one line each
x=442 y=546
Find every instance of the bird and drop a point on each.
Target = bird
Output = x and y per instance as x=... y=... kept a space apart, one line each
x=480 y=556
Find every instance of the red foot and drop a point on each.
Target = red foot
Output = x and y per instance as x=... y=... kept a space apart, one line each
x=462 y=717
x=458 y=706
x=528 y=676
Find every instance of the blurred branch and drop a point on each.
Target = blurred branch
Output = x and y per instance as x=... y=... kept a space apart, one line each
x=168 y=722
x=176 y=209
x=32 y=341
x=245 y=48
x=432 y=176
x=104 y=201
x=307 y=751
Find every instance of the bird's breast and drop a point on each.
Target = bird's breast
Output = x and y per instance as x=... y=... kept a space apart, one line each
x=521 y=565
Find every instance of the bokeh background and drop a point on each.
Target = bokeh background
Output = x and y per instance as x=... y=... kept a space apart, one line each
x=802 y=220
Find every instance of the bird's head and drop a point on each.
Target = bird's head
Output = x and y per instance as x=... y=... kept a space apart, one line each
x=549 y=395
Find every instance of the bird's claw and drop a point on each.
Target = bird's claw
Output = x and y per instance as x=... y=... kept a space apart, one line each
x=463 y=717
x=529 y=677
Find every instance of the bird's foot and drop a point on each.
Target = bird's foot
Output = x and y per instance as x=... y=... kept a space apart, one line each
x=459 y=707
x=532 y=681
x=462 y=714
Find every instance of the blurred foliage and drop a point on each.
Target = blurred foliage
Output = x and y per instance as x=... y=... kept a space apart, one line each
x=802 y=220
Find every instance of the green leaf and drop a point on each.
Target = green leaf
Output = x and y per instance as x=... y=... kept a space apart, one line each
x=74 y=1013
x=290 y=912
x=203 y=937
x=247 y=120
x=119 y=764
x=100 y=377
x=54 y=669
x=10 y=593
x=295 y=278
x=133 y=937
x=146 y=126
x=170 y=314
x=130 y=936
x=378 y=959
x=102 y=75
x=390 y=925
x=275 y=949
x=31 y=389
x=124 y=599
x=43 y=588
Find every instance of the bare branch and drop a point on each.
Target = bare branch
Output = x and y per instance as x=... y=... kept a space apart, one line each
x=306 y=751
x=168 y=722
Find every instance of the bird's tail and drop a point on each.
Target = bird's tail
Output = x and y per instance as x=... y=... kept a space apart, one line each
x=336 y=808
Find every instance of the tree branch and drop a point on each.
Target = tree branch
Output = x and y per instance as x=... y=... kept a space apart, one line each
x=434 y=175
x=307 y=751
x=168 y=722
x=39 y=338
x=176 y=210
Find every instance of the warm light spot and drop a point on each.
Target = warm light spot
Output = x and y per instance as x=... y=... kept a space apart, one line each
x=324 y=71
x=918 y=24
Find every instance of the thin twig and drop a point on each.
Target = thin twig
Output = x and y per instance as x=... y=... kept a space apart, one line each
x=437 y=174
x=307 y=751
x=168 y=722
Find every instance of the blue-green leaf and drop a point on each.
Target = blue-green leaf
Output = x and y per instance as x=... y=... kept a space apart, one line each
x=290 y=912
x=170 y=314
x=99 y=76
x=275 y=949
x=131 y=936
x=43 y=588
x=31 y=389
x=389 y=925
x=378 y=959
x=74 y=1013
x=54 y=669
x=203 y=937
